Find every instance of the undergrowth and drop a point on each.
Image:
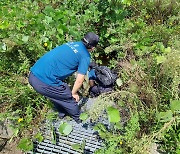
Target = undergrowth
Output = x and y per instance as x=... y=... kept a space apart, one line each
x=139 y=39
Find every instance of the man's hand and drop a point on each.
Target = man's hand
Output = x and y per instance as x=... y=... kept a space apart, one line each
x=77 y=85
x=76 y=97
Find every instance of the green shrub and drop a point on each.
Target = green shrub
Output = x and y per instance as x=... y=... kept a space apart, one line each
x=138 y=38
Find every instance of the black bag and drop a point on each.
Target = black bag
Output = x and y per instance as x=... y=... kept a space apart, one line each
x=105 y=76
x=97 y=90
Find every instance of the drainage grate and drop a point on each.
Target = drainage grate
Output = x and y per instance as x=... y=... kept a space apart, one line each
x=81 y=133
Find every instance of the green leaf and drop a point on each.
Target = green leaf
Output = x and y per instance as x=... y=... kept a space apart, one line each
x=96 y=54
x=4 y=47
x=45 y=39
x=113 y=114
x=99 y=127
x=25 y=38
x=79 y=147
x=175 y=105
x=76 y=146
x=53 y=135
x=39 y=137
x=102 y=134
x=48 y=9
x=83 y=116
x=15 y=131
x=62 y=127
x=4 y=25
x=48 y=19
x=60 y=31
x=25 y=144
x=83 y=144
x=119 y=82
x=65 y=128
x=51 y=116
x=121 y=104
x=178 y=150
x=118 y=126
x=160 y=59
x=101 y=130
x=167 y=50
x=126 y=2
x=161 y=47
x=165 y=116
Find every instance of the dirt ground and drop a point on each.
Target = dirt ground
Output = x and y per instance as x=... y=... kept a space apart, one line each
x=8 y=148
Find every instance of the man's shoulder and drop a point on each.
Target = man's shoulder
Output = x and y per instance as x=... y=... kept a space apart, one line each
x=75 y=44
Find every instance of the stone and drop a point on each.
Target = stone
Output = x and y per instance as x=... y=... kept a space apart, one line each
x=5 y=130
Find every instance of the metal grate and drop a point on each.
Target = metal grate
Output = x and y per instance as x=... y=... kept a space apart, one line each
x=82 y=132
x=64 y=144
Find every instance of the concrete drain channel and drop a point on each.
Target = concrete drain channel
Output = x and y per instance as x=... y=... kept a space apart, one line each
x=63 y=145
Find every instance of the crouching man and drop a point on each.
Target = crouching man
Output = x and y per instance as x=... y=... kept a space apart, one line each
x=49 y=72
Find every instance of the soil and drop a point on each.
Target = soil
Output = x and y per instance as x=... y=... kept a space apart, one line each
x=8 y=148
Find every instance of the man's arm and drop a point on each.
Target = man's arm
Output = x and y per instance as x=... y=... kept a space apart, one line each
x=78 y=83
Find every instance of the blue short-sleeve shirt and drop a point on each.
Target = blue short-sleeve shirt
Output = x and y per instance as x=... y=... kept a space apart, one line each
x=92 y=75
x=61 y=62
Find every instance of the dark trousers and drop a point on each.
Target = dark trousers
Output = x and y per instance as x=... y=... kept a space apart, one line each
x=61 y=96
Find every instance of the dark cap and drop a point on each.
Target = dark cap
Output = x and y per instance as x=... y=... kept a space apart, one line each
x=90 y=40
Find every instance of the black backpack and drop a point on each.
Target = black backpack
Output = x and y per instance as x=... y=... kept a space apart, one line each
x=105 y=76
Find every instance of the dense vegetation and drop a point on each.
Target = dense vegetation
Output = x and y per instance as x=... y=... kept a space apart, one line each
x=139 y=38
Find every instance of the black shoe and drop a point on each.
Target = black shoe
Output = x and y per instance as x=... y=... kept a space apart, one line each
x=61 y=115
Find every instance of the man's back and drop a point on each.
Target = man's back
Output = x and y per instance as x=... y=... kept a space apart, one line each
x=61 y=62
